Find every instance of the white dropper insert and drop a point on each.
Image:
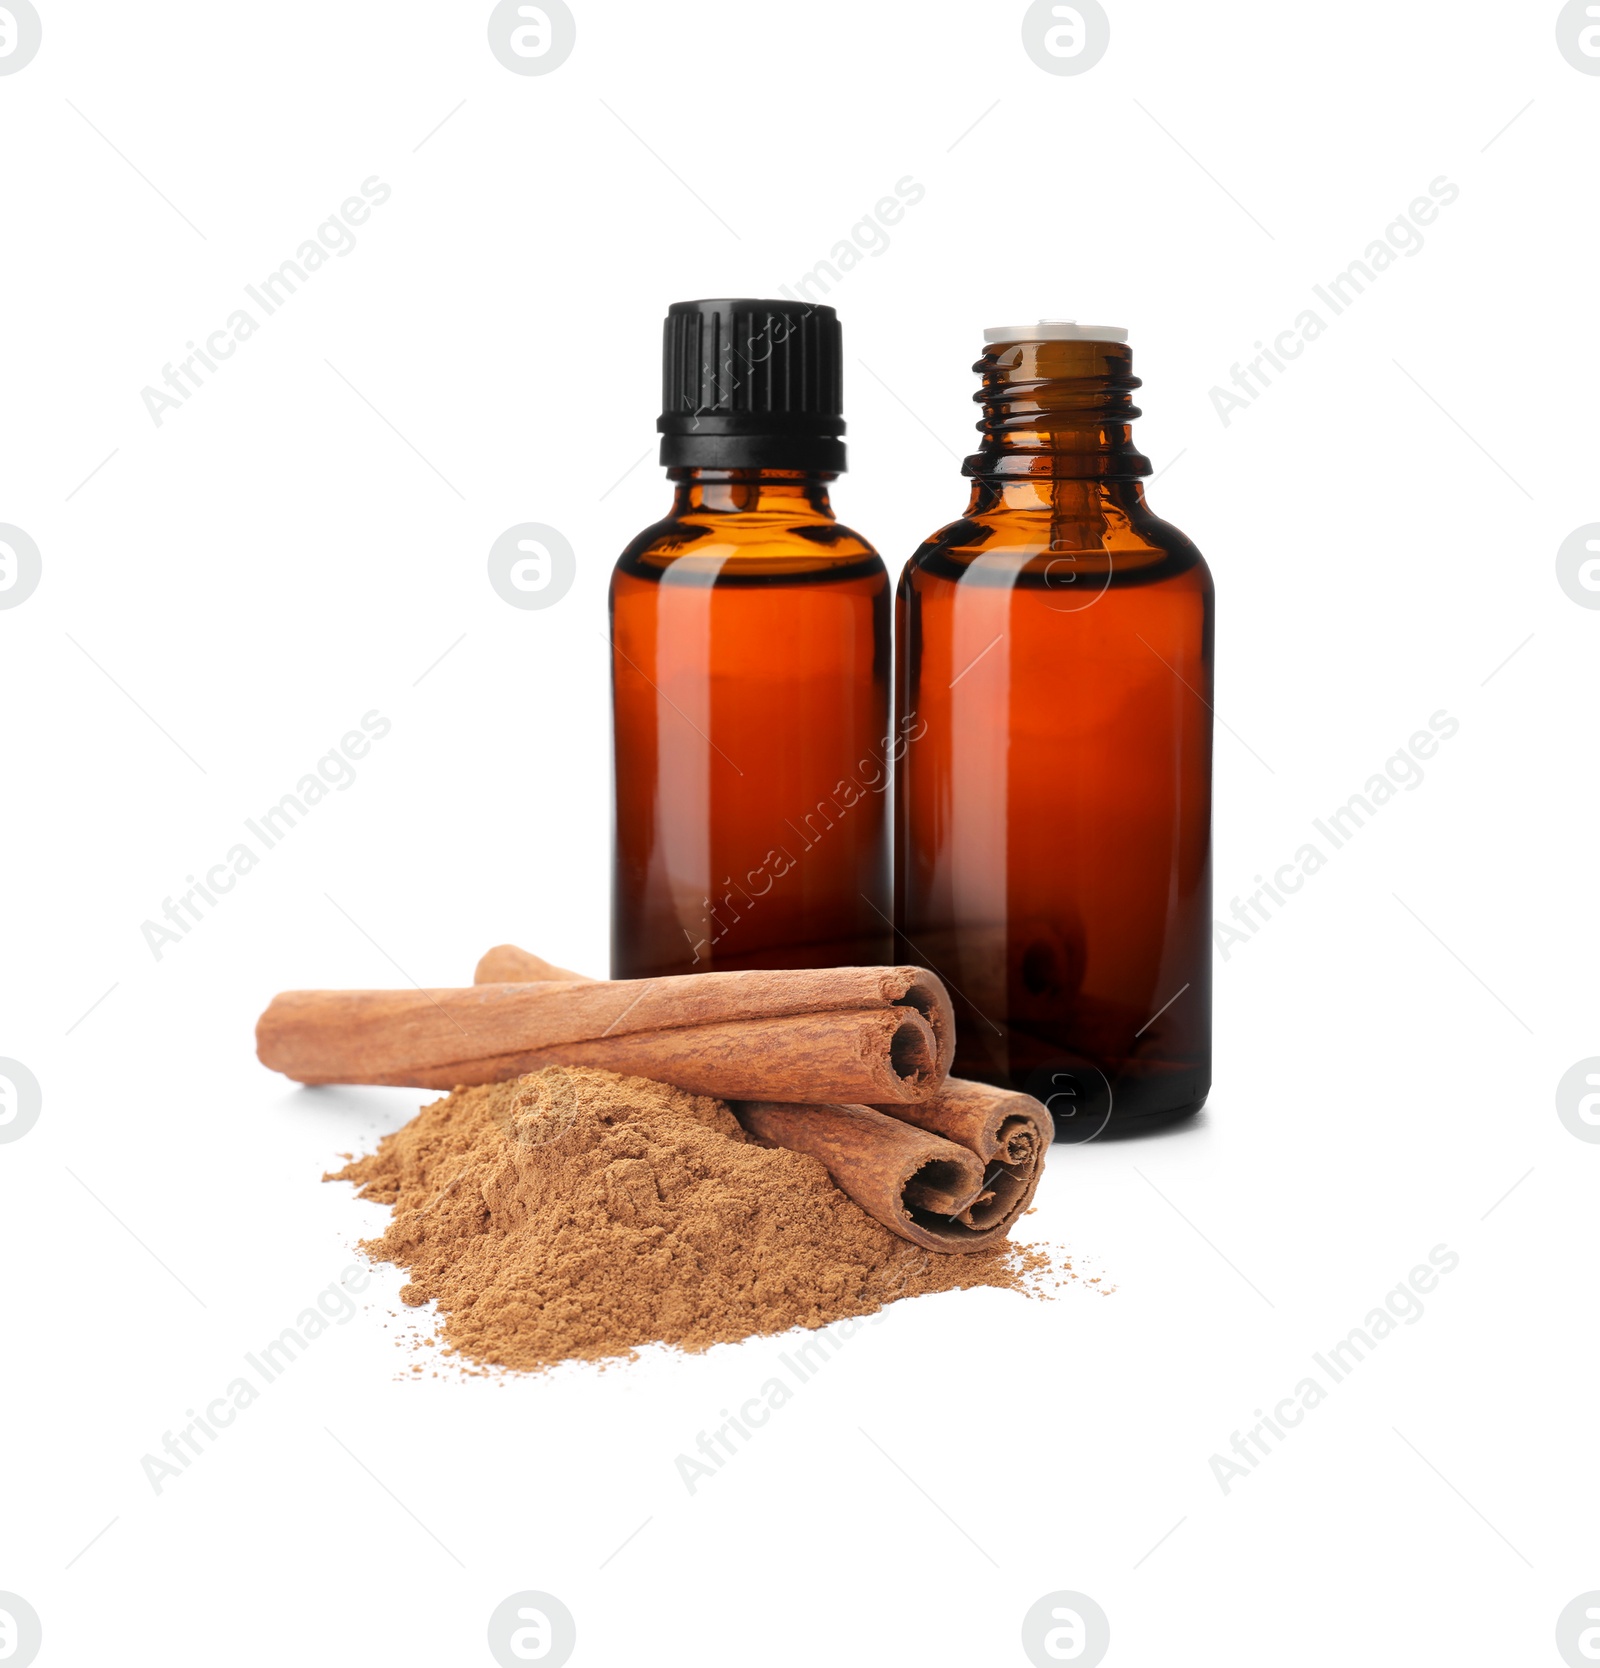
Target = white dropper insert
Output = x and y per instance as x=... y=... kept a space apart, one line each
x=1056 y=330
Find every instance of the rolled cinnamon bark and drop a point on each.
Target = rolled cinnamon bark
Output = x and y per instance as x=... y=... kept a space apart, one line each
x=999 y=1125
x=878 y=1034
x=956 y=1183
x=505 y=964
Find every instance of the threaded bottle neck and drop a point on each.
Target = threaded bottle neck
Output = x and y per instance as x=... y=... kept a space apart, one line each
x=1061 y=410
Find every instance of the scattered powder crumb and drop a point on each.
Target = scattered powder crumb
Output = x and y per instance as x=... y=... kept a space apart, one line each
x=575 y=1214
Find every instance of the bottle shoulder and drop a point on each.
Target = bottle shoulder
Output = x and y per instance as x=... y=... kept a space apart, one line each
x=751 y=547
x=1026 y=547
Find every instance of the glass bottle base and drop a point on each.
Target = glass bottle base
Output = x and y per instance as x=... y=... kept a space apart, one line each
x=1086 y=1104
x=1117 y=1128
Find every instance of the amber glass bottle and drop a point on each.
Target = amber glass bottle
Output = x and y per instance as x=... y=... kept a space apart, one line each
x=750 y=668
x=1053 y=804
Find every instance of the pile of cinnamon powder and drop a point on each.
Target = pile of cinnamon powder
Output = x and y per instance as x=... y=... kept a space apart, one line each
x=577 y=1214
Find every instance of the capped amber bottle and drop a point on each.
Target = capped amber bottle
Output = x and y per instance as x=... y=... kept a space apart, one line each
x=1053 y=802
x=750 y=669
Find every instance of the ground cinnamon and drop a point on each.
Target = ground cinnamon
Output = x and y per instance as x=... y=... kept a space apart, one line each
x=955 y=1182
x=578 y=1214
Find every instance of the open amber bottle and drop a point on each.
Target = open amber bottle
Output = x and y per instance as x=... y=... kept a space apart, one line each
x=750 y=669
x=1053 y=803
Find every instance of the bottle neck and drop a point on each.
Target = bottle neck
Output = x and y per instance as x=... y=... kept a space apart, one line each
x=796 y=494
x=1088 y=499
x=1056 y=411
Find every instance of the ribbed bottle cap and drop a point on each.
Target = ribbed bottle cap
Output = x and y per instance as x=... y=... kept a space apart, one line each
x=751 y=385
x=1056 y=330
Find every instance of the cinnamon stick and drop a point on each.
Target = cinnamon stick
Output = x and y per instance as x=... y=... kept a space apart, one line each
x=999 y=1125
x=505 y=964
x=956 y=1191
x=871 y=1034
x=951 y=1172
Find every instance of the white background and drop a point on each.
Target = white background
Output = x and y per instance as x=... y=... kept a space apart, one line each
x=229 y=592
